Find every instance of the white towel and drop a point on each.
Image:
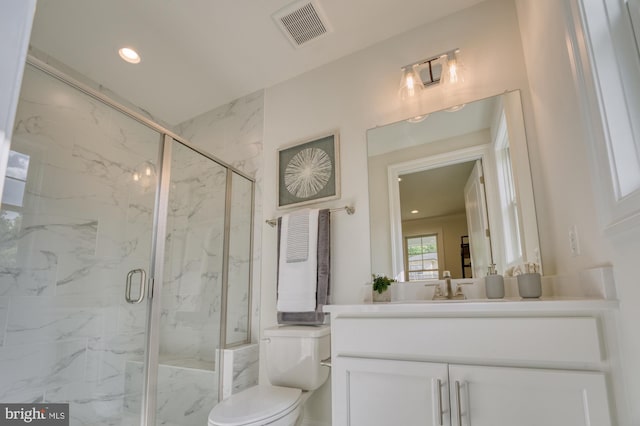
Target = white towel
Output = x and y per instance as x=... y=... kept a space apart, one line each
x=297 y=281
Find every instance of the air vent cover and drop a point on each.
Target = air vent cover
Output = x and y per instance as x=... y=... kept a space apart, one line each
x=302 y=22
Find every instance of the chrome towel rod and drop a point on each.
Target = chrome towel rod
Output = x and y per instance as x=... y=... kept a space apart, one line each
x=349 y=209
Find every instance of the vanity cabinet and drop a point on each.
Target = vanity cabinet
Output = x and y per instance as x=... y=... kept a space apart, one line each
x=491 y=396
x=446 y=366
x=380 y=392
x=388 y=392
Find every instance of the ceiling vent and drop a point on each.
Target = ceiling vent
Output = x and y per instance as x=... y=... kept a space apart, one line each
x=302 y=22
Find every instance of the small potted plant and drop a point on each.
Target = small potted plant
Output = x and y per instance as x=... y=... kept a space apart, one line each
x=381 y=285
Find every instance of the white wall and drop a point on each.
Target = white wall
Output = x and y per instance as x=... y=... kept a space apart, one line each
x=560 y=161
x=359 y=92
x=560 y=166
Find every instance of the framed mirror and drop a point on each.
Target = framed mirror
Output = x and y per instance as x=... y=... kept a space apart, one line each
x=451 y=190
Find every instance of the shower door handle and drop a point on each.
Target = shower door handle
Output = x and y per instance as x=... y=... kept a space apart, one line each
x=142 y=285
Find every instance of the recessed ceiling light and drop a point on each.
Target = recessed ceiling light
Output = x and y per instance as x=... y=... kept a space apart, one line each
x=129 y=55
x=399 y=179
x=414 y=211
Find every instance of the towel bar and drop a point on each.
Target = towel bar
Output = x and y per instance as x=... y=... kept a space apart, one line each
x=349 y=209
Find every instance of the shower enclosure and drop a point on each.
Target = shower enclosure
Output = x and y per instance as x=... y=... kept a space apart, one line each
x=125 y=262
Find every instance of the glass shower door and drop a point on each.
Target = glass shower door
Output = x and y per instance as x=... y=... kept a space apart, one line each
x=238 y=310
x=77 y=217
x=191 y=296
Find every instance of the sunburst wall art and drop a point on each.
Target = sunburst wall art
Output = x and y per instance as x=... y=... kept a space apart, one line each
x=309 y=172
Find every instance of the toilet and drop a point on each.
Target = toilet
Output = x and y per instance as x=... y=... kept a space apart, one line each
x=293 y=365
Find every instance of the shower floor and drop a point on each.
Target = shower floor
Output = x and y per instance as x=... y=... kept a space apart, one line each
x=197 y=364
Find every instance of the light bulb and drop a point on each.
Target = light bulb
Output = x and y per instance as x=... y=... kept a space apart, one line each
x=454 y=69
x=136 y=177
x=147 y=171
x=410 y=84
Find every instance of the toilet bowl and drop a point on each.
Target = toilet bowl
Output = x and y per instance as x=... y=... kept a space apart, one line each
x=293 y=367
x=259 y=405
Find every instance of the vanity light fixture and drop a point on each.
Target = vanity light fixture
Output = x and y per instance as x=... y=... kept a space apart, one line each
x=454 y=68
x=410 y=83
x=129 y=55
x=444 y=68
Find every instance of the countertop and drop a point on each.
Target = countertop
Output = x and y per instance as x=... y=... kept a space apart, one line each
x=486 y=306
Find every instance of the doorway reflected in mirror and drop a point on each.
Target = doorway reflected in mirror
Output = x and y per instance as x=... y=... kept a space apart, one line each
x=462 y=173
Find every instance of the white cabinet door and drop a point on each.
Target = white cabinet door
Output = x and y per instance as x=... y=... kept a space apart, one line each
x=375 y=392
x=496 y=396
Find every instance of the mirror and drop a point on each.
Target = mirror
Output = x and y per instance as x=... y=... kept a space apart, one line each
x=451 y=190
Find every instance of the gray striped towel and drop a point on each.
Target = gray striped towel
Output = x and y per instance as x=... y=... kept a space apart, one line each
x=298 y=237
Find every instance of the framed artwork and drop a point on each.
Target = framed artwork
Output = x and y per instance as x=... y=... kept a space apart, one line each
x=309 y=172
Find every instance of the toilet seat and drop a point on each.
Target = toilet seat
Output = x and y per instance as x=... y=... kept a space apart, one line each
x=258 y=405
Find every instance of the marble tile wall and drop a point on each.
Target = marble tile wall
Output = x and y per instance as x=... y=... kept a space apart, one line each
x=240 y=369
x=233 y=132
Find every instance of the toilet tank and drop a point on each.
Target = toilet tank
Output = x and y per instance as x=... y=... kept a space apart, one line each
x=294 y=353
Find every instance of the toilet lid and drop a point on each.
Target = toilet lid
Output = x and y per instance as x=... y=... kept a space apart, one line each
x=254 y=404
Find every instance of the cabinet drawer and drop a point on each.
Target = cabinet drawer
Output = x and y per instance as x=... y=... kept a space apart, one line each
x=562 y=340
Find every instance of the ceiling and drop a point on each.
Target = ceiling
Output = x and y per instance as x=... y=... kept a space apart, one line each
x=200 y=54
x=435 y=192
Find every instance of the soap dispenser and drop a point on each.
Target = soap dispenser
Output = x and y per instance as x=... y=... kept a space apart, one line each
x=494 y=283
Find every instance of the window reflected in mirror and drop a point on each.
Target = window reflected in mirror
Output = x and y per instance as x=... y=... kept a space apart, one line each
x=421 y=257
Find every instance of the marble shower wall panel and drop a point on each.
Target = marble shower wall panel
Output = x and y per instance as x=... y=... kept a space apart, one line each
x=66 y=332
x=20 y=368
x=240 y=369
x=32 y=369
x=245 y=367
x=234 y=133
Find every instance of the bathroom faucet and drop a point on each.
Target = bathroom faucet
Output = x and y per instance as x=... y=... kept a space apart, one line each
x=448 y=293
